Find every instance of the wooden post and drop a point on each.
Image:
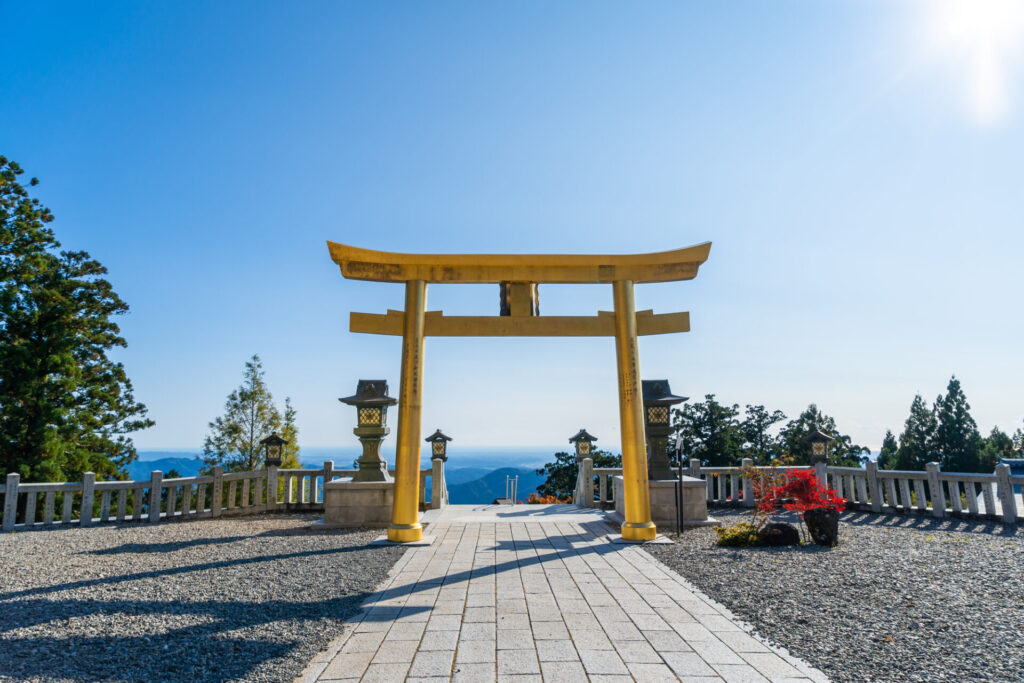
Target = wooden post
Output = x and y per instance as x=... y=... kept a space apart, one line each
x=11 y=501
x=405 y=517
x=748 y=486
x=1006 y=497
x=935 y=488
x=217 y=497
x=636 y=492
x=871 y=474
x=156 y=484
x=88 y=493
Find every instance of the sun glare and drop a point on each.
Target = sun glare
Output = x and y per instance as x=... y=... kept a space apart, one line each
x=984 y=38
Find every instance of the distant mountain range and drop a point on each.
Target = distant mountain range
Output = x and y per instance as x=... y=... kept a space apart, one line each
x=466 y=485
x=492 y=485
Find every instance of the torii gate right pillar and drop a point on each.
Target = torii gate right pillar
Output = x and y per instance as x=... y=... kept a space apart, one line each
x=638 y=525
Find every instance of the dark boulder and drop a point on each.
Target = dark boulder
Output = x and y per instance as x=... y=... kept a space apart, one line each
x=823 y=526
x=778 y=533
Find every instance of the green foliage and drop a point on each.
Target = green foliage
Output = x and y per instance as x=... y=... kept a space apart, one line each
x=65 y=407
x=889 y=454
x=957 y=440
x=796 y=445
x=739 y=535
x=249 y=416
x=710 y=432
x=760 y=445
x=996 y=446
x=917 y=442
x=290 y=433
x=562 y=473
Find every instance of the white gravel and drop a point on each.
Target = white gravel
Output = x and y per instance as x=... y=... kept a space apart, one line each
x=251 y=598
x=902 y=598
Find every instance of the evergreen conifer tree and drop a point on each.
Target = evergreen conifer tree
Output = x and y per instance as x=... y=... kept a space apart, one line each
x=887 y=456
x=957 y=439
x=917 y=442
x=65 y=406
x=997 y=446
x=290 y=433
x=249 y=416
x=796 y=445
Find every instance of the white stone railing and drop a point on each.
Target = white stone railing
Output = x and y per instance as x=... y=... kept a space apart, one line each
x=35 y=505
x=941 y=494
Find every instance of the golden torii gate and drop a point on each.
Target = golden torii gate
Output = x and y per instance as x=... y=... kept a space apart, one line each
x=519 y=275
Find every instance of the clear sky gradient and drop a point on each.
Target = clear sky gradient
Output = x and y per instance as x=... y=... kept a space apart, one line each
x=858 y=167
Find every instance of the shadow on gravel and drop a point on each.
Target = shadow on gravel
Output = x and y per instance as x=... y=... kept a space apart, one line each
x=928 y=523
x=137 y=548
x=226 y=646
x=172 y=571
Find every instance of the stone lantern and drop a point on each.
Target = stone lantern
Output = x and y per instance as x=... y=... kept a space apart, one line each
x=272 y=449
x=819 y=445
x=371 y=402
x=438 y=445
x=658 y=401
x=583 y=443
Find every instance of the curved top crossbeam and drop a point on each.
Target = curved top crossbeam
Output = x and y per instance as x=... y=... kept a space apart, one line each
x=383 y=266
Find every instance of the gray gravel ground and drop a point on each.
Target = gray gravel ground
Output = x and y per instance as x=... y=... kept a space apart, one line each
x=902 y=598
x=210 y=600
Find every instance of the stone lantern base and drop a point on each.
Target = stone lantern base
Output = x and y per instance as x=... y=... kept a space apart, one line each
x=358 y=504
x=663 y=502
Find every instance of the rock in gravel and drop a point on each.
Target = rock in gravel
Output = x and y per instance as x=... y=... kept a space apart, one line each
x=242 y=599
x=901 y=598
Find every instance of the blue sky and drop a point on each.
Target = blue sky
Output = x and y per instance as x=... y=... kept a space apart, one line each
x=856 y=165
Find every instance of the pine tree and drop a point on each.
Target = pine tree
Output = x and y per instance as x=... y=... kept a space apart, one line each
x=562 y=473
x=249 y=416
x=759 y=444
x=887 y=456
x=290 y=433
x=917 y=442
x=710 y=432
x=957 y=439
x=65 y=407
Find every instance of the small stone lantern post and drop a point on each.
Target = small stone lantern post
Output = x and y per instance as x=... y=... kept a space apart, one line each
x=371 y=402
x=583 y=443
x=272 y=449
x=438 y=445
x=819 y=445
x=658 y=402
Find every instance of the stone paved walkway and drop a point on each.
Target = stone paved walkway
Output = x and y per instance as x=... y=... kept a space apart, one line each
x=542 y=594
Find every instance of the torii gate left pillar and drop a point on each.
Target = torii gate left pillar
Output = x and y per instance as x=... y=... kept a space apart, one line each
x=519 y=276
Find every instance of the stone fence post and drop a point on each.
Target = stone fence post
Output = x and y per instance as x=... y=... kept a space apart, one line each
x=587 y=481
x=217 y=497
x=935 y=487
x=88 y=494
x=1006 y=497
x=821 y=471
x=156 y=485
x=748 y=485
x=874 y=490
x=272 y=488
x=436 y=483
x=11 y=501
x=695 y=468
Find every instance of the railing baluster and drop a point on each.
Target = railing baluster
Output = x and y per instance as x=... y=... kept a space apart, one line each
x=122 y=503
x=48 y=507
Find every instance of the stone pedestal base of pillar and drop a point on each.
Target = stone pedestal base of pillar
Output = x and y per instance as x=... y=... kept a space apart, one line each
x=663 y=502
x=358 y=504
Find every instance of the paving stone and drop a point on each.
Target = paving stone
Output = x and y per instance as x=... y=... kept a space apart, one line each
x=432 y=663
x=667 y=641
x=479 y=614
x=650 y=672
x=363 y=642
x=445 y=622
x=481 y=631
x=474 y=673
x=515 y=639
x=563 y=672
x=513 y=621
x=476 y=651
x=396 y=651
x=637 y=651
x=550 y=630
x=771 y=665
x=687 y=664
x=602 y=662
x=518 y=662
x=556 y=651
x=739 y=673
x=350 y=665
x=742 y=642
x=386 y=673
x=591 y=640
x=715 y=652
x=439 y=640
